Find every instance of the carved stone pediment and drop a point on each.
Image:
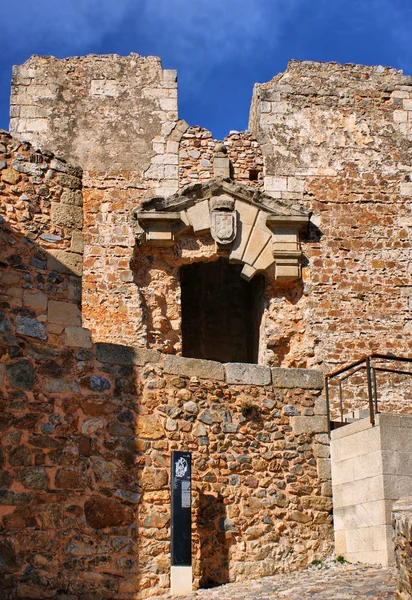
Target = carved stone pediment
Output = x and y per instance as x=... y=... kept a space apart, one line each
x=255 y=228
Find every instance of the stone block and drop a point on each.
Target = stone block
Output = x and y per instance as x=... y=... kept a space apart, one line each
x=295 y=185
x=199 y=216
x=21 y=374
x=102 y=88
x=78 y=337
x=65 y=262
x=193 y=367
x=265 y=258
x=400 y=116
x=149 y=427
x=320 y=406
x=116 y=354
x=30 y=327
x=275 y=184
x=66 y=215
x=168 y=104
x=65 y=313
x=358 y=492
x=35 y=300
x=323 y=468
x=368 y=465
x=259 y=238
x=61 y=386
x=10 y=176
x=221 y=166
x=406 y=189
x=73 y=197
x=342 y=471
x=307 y=379
x=309 y=425
x=353 y=446
x=75 y=289
x=244 y=373
x=77 y=242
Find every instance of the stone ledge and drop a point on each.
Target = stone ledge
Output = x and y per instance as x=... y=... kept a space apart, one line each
x=403 y=505
x=246 y=373
x=116 y=354
x=306 y=379
x=193 y=367
x=309 y=425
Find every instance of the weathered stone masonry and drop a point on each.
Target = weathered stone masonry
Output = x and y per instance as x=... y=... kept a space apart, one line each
x=91 y=409
x=332 y=139
x=87 y=431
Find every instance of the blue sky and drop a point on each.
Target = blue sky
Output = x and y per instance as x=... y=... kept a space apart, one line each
x=220 y=47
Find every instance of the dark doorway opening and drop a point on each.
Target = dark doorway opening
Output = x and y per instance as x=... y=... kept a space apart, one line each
x=221 y=312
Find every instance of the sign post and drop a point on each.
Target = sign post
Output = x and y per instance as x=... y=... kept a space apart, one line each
x=181 y=523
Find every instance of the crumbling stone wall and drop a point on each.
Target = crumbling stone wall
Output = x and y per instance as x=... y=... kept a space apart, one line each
x=336 y=139
x=87 y=430
x=196 y=152
x=41 y=241
x=402 y=522
x=87 y=109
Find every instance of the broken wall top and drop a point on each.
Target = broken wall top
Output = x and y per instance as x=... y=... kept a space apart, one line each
x=101 y=112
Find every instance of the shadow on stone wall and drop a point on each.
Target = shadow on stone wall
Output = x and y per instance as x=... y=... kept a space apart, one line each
x=69 y=466
x=214 y=541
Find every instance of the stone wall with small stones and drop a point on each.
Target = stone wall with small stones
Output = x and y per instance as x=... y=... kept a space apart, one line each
x=196 y=152
x=402 y=522
x=335 y=139
x=87 y=430
x=41 y=242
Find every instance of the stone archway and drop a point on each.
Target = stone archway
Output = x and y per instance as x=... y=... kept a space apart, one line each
x=198 y=263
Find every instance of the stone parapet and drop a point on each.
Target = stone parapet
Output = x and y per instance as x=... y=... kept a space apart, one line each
x=402 y=523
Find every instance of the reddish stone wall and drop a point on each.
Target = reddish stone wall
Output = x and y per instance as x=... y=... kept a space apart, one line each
x=87 y=431
x=196 y=152
x=332 y=138
x=402 y=523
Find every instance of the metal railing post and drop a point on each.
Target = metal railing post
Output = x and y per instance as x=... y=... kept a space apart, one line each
x=341 y=401
x=375 y=390
x=327 y=402
x=370 y=391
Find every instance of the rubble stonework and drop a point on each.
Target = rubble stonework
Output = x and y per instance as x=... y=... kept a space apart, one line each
x=95 y=392
x=87 y=432
x=333 y=139
x=402 y=522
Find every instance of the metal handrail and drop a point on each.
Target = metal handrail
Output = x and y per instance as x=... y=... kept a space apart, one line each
x=364 y=363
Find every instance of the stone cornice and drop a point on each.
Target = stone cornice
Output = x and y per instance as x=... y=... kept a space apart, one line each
x=255 y=228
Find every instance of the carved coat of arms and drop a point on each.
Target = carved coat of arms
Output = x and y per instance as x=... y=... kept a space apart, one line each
x=223 y=226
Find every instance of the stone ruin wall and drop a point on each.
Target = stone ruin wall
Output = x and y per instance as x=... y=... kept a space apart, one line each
x=334 y=139
x=87 y=430
x=337 y=138
x=402 y=524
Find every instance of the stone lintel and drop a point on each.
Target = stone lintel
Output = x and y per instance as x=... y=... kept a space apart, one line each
x=246 y=373
x=289 y=221
x=116 y=354
x=154 y=217
x=306 y=379
x=193 y=367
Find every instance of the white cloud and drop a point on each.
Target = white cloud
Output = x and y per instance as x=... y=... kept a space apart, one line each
x=71 y=24
x=201 y=35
